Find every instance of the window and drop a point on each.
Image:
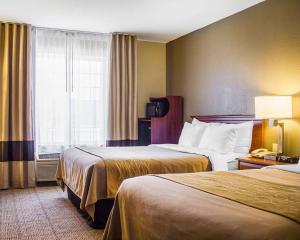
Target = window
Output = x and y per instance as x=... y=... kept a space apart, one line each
x=71 y=75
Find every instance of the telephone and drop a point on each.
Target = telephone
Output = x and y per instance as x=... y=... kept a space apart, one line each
x=260 y=152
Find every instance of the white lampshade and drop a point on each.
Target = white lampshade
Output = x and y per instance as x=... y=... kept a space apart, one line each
x=273 y=107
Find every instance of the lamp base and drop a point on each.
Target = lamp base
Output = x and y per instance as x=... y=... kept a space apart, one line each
x=280 y=125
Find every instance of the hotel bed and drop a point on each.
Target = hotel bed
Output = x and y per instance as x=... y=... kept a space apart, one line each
x=96 y=173
x=93 y=175
x=247 y=204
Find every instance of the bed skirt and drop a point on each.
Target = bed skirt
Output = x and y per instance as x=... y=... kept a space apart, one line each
x=102 y=210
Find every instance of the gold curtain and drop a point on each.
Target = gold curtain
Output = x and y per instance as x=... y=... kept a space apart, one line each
x=123 y=88
x=16 y=144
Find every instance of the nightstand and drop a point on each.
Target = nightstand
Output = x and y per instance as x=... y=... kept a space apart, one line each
x=256 y=163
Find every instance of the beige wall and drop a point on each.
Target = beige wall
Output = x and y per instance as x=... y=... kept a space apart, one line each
x=219 y=69
x=151 y=72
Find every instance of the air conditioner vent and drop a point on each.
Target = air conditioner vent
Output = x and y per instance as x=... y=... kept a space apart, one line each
x=49 y=155
x=46 y=170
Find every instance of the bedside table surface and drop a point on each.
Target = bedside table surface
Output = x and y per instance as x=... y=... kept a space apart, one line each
x=260 y=161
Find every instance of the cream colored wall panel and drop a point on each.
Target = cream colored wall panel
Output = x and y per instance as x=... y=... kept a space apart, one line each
x=151 y=72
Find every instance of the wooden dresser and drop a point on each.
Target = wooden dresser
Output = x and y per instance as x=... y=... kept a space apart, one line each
x=164 y=129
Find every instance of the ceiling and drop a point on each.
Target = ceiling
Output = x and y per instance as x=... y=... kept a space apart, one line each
x=153 y=20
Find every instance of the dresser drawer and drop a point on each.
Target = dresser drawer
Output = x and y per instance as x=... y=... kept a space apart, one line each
x=256 y=163
x=246 y=165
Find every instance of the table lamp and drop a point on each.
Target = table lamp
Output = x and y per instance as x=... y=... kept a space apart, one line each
x=274 y=108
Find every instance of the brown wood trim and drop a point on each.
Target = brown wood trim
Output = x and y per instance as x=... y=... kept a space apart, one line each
x=225 y=118
x=260 y=161
x=243 y=166
x=258 y=128
x=256 y=163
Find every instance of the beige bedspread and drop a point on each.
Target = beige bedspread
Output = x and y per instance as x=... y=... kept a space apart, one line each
x=152 y=207
x=264 y=195
x=96 y=173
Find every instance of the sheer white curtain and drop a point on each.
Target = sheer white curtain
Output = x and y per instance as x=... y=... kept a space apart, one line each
x=89 y=90
x=71 y=75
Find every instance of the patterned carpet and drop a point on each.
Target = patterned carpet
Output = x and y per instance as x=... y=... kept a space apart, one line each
x=41 y=213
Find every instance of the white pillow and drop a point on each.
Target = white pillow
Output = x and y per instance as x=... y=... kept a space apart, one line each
x=219 y=138
x=244 y=138
x=191 y=135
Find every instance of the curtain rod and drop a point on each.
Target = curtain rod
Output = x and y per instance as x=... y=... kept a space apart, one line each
x=79 y=31
x=67 y=30
x=99 y=33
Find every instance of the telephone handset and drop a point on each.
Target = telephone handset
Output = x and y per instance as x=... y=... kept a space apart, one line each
x=260 y=152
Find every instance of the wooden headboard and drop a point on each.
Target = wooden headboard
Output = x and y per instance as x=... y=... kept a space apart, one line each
x=257 y=135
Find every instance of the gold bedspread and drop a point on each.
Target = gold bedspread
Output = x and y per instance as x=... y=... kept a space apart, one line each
x=189 y=206
x=160 y=162
x=268 y=196
x=96 y=173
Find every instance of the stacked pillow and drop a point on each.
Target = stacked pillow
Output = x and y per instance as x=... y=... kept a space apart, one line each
x=191 y=135
x=218 y=137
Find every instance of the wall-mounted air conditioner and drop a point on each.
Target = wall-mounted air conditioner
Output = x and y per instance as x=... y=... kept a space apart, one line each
x=46 y=166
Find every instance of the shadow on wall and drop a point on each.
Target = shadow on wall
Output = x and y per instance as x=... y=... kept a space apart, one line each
x=296 y=106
